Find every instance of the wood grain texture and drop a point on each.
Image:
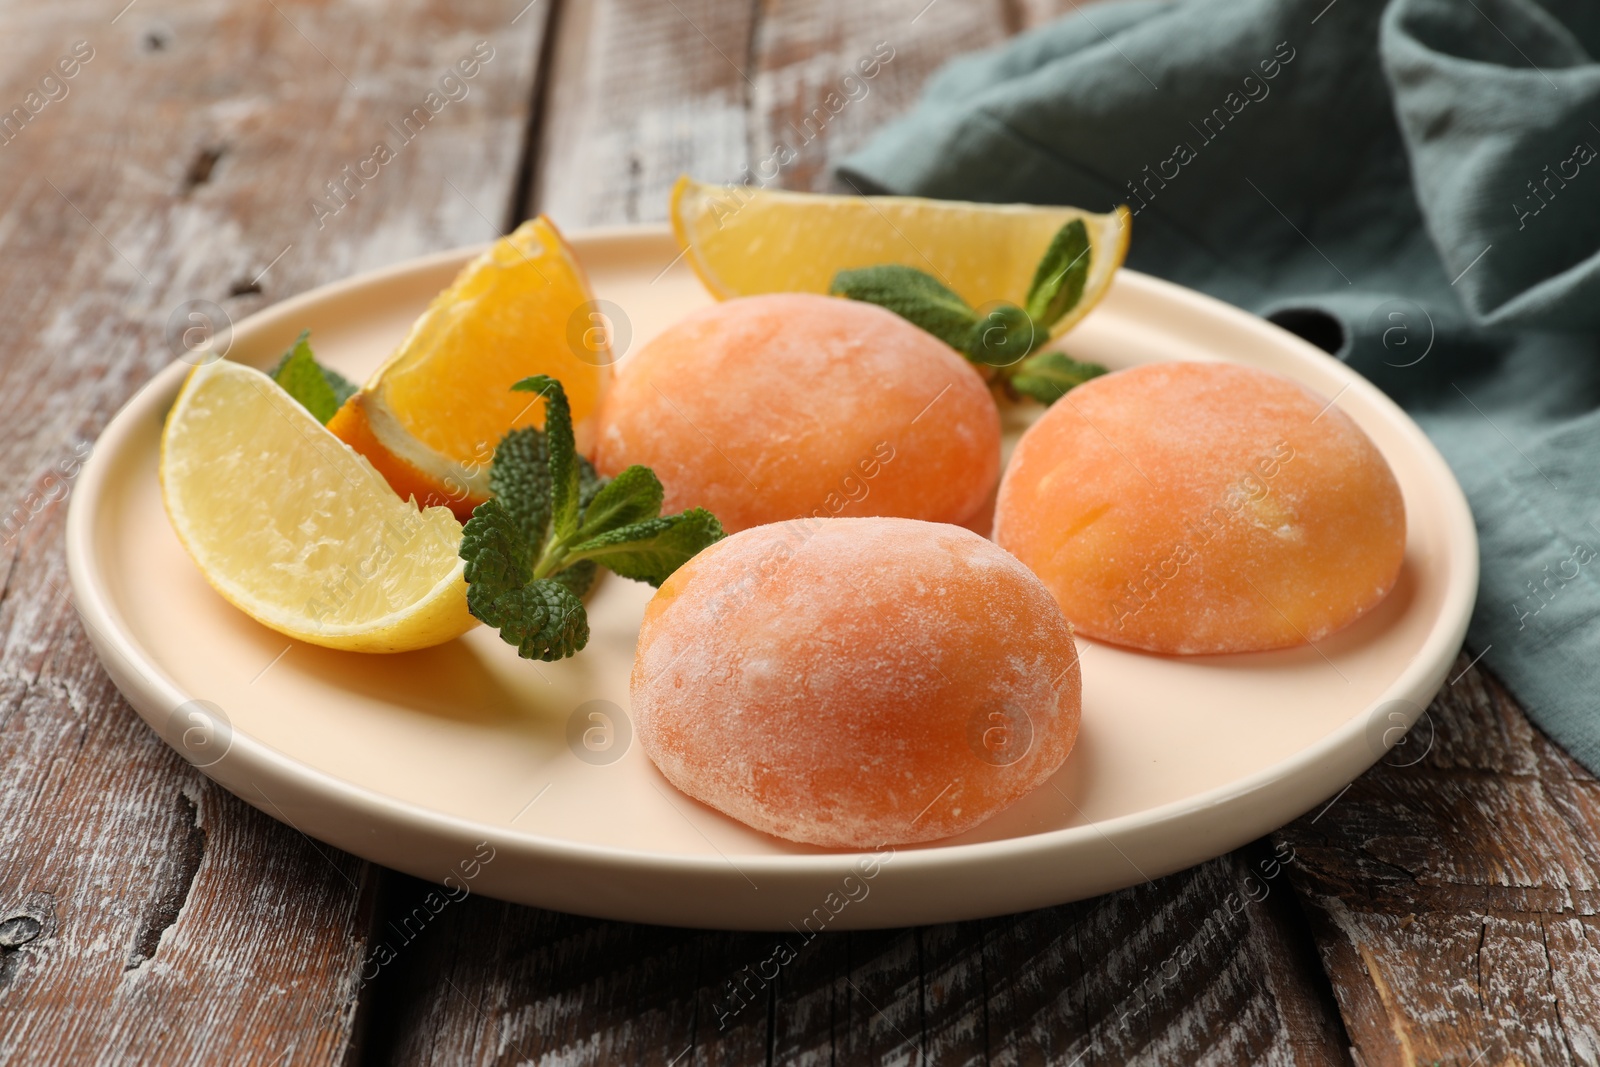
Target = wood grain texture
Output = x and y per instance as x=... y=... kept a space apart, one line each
x=766 y=93
x=640 y=91
x=1188 y=969
x=144 y=914
x=829 y=75
x=1453 y=895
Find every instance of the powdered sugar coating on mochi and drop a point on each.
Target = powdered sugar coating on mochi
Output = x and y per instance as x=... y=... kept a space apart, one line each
x=821 y=680
x=767 y=408
x=1203 y=508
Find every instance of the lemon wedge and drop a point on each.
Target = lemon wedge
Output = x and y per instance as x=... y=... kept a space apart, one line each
x=299 y=531
x=742 y=241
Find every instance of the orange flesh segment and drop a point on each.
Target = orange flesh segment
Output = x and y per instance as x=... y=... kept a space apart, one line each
x=431 y=416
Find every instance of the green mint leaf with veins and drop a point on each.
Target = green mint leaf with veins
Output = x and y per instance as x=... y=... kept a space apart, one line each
x=536 y=546
x=544 y=618
x=566 y=473
x=631 y=497
x=520 y=481
x=1049 y=376
x=651 y=550
x=318 y=389
x=919 y=298
x=1058 y=283
x=498 y=557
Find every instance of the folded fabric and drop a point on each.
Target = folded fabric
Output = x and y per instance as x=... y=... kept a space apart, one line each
x=1413 y=185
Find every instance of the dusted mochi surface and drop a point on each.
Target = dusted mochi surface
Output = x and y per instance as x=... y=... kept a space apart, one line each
x=767 y=408
x=1203 y=508
x=856 y=682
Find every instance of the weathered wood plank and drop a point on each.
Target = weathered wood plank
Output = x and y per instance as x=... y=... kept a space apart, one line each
x=639 y=92
x=1206 y=966
x=829 y=75
x=1455 y=896
x=547 y=986
x=762 y=93
x=145 y=914
x=1202 y=966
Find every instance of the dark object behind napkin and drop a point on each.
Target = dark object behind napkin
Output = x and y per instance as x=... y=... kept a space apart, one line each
x=1414 y=186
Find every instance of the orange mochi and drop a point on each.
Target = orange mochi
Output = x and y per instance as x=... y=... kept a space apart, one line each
x=767 y=408
x=1203 y=507
x=856 y=682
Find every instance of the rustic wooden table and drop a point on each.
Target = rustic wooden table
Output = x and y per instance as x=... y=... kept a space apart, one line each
x=1439 y=910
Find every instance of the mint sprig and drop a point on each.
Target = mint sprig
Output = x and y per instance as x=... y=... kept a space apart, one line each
x=1005 y=334
x=319 y=390
x=535 y=547
x=1049 y=376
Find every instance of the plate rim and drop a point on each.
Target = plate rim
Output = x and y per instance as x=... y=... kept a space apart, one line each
x=95 y=602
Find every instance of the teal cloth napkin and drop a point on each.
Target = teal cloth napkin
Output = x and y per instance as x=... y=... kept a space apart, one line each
x=1412 y=185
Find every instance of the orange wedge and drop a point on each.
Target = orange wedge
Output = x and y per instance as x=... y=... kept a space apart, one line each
x=430 y=418
x=742 y=241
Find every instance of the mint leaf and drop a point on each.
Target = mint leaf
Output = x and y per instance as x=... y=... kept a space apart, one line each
x=1058 y=283
x=498 y=557
x=319 y=390
x=998 y=338
x=343 y=388
x=536 y=546
x=651 y=550
x=1002 y=337
x=520 y=480
x=632 y=496
x=589 y=483
x=915 y=296
x=566 y=474
x=579 y=578
x=543 y=618
x=1049 y=376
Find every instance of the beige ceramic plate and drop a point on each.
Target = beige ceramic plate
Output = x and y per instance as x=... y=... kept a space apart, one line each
x=414 y=760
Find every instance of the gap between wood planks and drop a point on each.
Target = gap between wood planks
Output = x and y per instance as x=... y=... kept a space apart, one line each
x=517 y=207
